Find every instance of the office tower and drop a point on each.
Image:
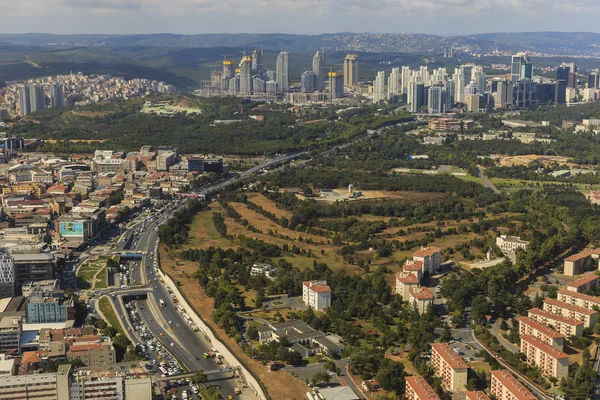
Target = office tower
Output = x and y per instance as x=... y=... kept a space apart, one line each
x=560 y=95
x=351 y=70
x=526 y=69
x=479 y=77
x=459 y=85
x=503 y=93
x=246 y=75
x=515 y=66
x=450 y=89
x=394 y=85
x=336 y=85
x=281 y=71
x=525 y=93
x=473 y=102
x=435 y=103
x=307 y=81
x=7 y=274
x=56 y=95
x=271 y=86
x=416 y=96
x=24 y=101
x=405 y=79
x=562 y=73
x=318 y=67
x=572 y=81
x=594 y=80
x=258 y=85
x=227 y=68
x=379 y=94
x=256 y=59
x=37 y=98
x=546 y=93
x=572 y=67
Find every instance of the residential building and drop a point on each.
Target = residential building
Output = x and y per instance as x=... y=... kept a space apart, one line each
x=351 y=70
x=379 y=94
x=413 y=267
x=245 y=75
x=531 y=327
x=504 y=386
x=578 y=299
x=307 y=82
x=479 y=395
x=336 y=85
x=56 y=95
x=550 y=360
x=577 y=263
x=282 y=72
x=588 y=317
x=431 y=257
x=316 y=294
x=416 y=96
x=566 y=326
x=51 y=386
x=511 y=243
x=7 y=274
x=10 y=335
x=93 y=353
x=449 y=366
x=421 y=297
x=37 y=98
x=405 y=281
x=435 y=100
x=24 y=101
x=318 y=68
x=417 y=388
x=583 y=284
x=394 y=85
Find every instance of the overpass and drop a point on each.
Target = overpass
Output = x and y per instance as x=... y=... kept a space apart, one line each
x=191 y=374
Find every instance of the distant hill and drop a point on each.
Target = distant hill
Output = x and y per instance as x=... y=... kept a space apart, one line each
x=561 y=43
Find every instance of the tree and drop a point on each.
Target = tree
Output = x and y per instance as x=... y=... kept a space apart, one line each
x=446 y=335
x=252 y=333
x=391 y=376
x=199 y=378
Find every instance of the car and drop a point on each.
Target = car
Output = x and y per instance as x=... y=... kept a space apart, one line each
x=122 y=316
x=205 y=355
x=172 y=344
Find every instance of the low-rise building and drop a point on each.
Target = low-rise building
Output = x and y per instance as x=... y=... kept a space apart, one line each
x=511 y=243
x=417 y=388
x=11 y=329
x=316 y=294
x=531 y=327
x=449 y=366
x=421 y=297
x=588 y=317
x=52 y=386
x=504 y=386
x=578 y=299
x=49 y=309
x=566 y=326
x=550 y=360
x=583 y=284
x=577 y=263
x=93 y=353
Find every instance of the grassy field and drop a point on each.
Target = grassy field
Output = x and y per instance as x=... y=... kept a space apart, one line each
x=109 y=312
x=93 y=274
x=505 y=183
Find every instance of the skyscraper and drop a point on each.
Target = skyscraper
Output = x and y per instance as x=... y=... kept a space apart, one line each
x=394 y=85
x=450 y=88
x=515 y=66
x=405 y=79
x=258 y=85
x=307 y=81
x=24 y=101
x=416 y=96
x=351 y=70
x=503 y=93
x=227 y=68
x=479 y=76
x=37 y=98
x=526 y=69
x=336 y=85
x=435 y=103
x=594 y=80
x=562 y=73
x=256 y=59
x=525 y=93
x=459 y=85
x=282 y=71
x=246 y=75
x=56 y=95
x=318 y=67
x=379 y=94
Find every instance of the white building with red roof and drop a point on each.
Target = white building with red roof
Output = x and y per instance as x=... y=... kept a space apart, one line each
x=316 y=294
x=431 y=257
x=421 y=297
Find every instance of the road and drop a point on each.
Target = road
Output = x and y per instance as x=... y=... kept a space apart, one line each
x=486 y=181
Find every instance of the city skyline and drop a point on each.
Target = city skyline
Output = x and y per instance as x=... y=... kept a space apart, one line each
x=457 y=17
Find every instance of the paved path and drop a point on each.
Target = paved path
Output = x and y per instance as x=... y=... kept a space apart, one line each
x=503 y=341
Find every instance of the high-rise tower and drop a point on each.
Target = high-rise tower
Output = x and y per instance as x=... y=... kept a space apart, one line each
x=379 y=88
x=351 y=70
x=246 y=75
x=24 y=101
x=318 y=67
x=281 y=71
x=56 y=95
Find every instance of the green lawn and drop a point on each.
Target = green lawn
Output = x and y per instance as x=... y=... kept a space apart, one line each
x=109 y=313
x=91 y=268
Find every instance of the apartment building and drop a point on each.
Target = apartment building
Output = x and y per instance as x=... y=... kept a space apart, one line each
x=417 y=388
x=583 y=284
x=449 y=366
x=566 y=326
x=413 y=267
x=479 y=395
x=504 y=386
x=93 y=353
x=578 y=299
x=316 y=294
x=404 y=282
x=550 y=360
x=588 y=317
x=53 y=386
x=430 y=257
x=421 y=297
x=576 y=264
x=531 y=327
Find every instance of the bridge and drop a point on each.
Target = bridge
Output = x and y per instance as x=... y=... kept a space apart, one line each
x=191 y=374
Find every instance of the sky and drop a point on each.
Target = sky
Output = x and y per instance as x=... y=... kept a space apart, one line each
x=442 y=17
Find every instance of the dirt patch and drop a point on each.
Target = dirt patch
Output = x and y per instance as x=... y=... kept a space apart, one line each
x=268 y=205
x=279 y=385
x=344 y=195
x=511 y=161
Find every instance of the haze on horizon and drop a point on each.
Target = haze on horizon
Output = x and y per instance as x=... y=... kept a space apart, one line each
x=441 y=17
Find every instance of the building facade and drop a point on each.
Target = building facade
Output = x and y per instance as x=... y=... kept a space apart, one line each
x=504 y=386
x=449 y=366
x=578 y=299
x=531 y=327
x=588 y=317
x=417 y=388
x=316 y=294
x=551 y=361
x=566 y=326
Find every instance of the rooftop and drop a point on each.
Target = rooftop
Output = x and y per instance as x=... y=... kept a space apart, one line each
x=477 y=396
x=449 y=355
x=320 y=288
x=540 y=327
x=568 y=306
x=421 y=293
x=583 y=280
x=555 y=317
x=580 y=296
x=425 y=252
x=517 y=389
x=578 y=256
x=410 y=278
x=543 y=346
x=421 y=387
